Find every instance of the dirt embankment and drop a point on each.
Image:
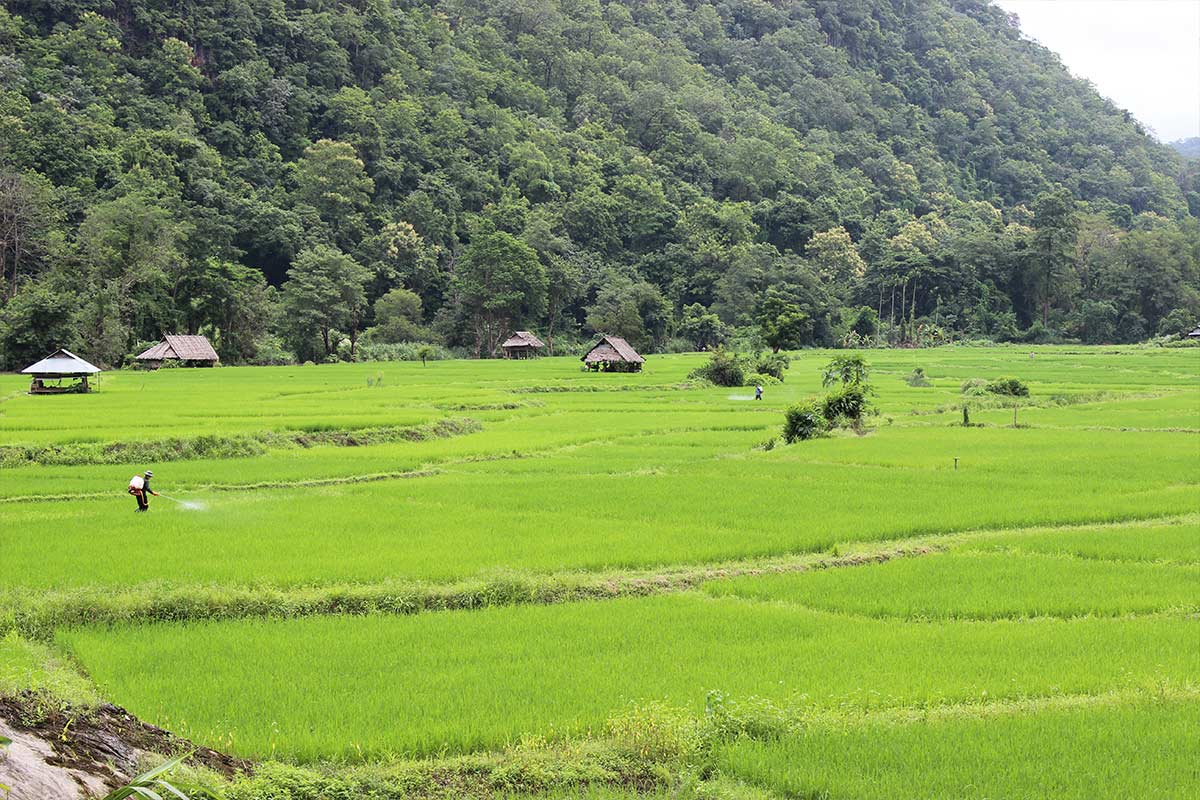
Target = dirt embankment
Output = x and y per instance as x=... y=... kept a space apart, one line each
x=67 y=754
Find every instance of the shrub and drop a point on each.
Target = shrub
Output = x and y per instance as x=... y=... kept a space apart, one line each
x=1177 y=323
x=1010 y=387
x=846 y=405
x=270 y=352
x=975 y=387
x=864 y=323
x=675 y=345
x=129 y=360
x=772 y=364
x=403 y=351
x=1037 y=333
x=723 y=369
x=917 y=378
x=803 y=421
x=759 y=379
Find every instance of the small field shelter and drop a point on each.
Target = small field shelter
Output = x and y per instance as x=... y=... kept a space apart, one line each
x=613 y=354
x=59 y=366
x=522 y=344
x=190 y=351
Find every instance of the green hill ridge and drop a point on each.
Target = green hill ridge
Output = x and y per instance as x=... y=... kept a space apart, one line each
x=286 y=176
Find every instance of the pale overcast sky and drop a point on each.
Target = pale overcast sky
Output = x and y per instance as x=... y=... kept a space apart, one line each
x=1144 y=55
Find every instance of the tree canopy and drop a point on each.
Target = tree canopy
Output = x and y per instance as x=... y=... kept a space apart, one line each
x=919 y=158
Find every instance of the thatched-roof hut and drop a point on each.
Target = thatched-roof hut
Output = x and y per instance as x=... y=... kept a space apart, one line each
x=190 y=351
x=521 y=344
x=60 y=365
x=613 y=354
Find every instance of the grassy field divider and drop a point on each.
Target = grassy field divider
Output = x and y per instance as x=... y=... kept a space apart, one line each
x=757 y=718
x=38 y=616
x=241 y=446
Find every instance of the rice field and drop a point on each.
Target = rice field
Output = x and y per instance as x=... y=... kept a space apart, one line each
x=983 y=585
x=466 y=680
x=934 y=610
x=1132 y=749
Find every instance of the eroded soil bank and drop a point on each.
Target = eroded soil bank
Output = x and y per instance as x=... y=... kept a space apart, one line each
x=68 y=753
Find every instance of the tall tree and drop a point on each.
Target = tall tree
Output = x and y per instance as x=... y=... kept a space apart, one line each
x=398 y=317
x=782 y=323
x=565 y=285
x=38 y=319
x=24 y=221
x=132 y=253
x=324 y=291
x=836 y=260
x=501 y=284
x=1055 y=230
x=332 y=179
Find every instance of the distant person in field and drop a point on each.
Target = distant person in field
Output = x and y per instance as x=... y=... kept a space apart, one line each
x=758 y=392
x=139 y=487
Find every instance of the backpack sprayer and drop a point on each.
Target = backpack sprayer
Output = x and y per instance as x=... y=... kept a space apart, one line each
x=137 y=484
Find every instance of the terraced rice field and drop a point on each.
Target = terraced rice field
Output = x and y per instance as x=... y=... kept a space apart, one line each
x=624 y=562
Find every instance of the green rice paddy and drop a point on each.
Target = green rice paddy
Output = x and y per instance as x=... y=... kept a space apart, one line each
x=464 y=680
x=1082 y=752
x=933 y=610
x=983 y=586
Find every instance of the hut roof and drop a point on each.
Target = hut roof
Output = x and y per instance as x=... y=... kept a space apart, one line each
x=61 y=362
x=1195 y=333
x=523 y=339
x=185 y=348
x=613 y=348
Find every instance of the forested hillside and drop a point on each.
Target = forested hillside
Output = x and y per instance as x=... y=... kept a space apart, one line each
x=298 y=178
x=1188 y=148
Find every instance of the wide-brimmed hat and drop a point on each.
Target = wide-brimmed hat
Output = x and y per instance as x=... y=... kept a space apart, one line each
x=149 y=473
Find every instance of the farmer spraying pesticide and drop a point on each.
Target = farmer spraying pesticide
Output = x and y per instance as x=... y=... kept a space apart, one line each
x=139 y=487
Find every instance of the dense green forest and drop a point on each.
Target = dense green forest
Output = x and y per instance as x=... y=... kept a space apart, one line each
x=314 y=179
